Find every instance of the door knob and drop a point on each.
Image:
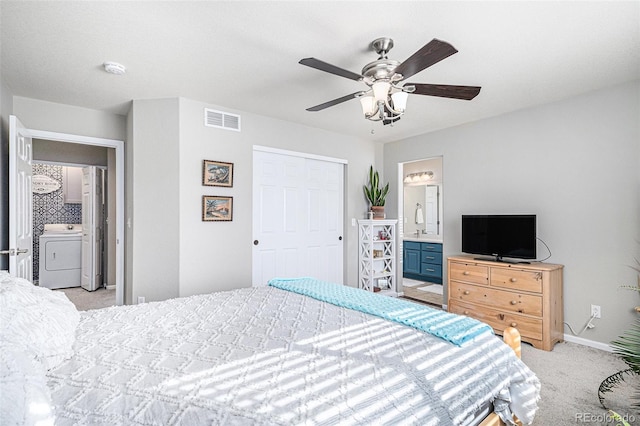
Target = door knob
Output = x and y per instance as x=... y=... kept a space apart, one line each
x=256 y=242
x=340 y=238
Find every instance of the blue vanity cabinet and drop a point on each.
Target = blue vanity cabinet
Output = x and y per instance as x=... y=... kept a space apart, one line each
x=427 y=266
x=411 y=259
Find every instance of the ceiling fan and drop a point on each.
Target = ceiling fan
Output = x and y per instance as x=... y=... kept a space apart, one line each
x=385 y=100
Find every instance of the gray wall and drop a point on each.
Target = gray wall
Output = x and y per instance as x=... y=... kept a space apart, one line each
x=206 y=266
x=6 y=109
x=170 y=250
x=154 y=204
x=69 y=153
x=53 y=117
x=576 y=164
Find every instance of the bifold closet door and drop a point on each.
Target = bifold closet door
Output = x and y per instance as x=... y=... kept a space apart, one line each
x=298 y=210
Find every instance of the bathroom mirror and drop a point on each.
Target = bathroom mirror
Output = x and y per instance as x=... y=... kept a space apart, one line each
x=422 y=199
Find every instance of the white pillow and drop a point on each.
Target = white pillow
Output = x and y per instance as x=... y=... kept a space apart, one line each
x=24 y=396
x=36 y=319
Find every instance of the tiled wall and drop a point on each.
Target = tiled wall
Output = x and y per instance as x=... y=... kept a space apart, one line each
x=50 y=208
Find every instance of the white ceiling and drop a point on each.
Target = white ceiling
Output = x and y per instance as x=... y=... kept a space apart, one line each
x=244 y=55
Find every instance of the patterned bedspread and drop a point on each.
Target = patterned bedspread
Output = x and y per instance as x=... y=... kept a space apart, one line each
x=264 y=356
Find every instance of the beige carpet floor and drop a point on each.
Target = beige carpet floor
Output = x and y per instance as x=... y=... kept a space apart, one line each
x=570 y=376
x=85 y=300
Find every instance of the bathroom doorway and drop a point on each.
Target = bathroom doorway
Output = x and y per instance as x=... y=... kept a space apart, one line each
x=421 y=213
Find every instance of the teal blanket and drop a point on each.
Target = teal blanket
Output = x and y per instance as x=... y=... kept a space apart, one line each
x=450 y=327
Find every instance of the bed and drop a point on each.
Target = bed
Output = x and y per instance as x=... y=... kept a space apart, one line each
x=254 y=356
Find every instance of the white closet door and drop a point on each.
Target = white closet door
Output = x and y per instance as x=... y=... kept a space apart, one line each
x=297 y=218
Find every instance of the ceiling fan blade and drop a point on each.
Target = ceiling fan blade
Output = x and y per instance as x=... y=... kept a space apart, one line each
x=334 y=102
x=323 y=66
x=431 y=53
x=446 y=91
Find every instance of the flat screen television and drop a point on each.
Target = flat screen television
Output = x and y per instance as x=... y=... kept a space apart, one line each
x=500 y=236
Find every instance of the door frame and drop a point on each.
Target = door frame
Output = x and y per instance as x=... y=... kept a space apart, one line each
x=118 y=145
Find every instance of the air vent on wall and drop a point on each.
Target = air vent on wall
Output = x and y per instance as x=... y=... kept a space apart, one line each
x=221 y=120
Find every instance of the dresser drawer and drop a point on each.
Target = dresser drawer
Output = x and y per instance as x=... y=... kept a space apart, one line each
x=516 y=280
x=498 y=299
x=530 y=328
x=469 y=272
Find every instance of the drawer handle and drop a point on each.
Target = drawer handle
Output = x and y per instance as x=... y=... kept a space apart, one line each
x=513 y=280
x=466 y=292
x=513 y=302
x=430 y=257
x=514 y=324
x=466 y=312
x=465 y=273
x=431 y=270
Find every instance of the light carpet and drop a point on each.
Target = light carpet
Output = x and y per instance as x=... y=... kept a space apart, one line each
x=570 y=376
x=85 y=300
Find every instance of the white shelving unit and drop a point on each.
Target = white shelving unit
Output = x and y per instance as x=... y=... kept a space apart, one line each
x=377 y=256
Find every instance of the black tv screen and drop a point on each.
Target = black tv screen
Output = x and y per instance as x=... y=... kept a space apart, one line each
x=500 y=235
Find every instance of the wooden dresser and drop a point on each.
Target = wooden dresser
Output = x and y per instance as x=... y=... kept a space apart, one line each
x=525 y=296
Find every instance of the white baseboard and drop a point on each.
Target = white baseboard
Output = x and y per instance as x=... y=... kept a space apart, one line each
x=587 y=342
x=110 y=287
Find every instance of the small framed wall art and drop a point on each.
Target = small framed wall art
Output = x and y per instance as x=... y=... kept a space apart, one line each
x=217 y=173
x=215 y=208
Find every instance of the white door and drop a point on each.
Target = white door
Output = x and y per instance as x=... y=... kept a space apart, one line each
x=297 y=218
x=431 y=209
x=20 y=201
x=91 y=230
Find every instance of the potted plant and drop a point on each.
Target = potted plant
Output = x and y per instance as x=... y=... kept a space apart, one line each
x=627 y=346
x=376 y=194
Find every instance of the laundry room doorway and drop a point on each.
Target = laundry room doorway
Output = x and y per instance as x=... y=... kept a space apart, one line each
x=53 y=147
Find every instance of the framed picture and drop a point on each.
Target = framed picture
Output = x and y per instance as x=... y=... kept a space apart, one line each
x=217 y=173
x=216 y=208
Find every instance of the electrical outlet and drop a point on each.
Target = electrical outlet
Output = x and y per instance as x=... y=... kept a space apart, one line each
x=353 y=221
x=140 y=299
x=595 y=311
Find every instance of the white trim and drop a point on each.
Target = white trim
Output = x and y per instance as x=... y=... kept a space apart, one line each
x=299 y=154
x=587 y=342
x=118 y=145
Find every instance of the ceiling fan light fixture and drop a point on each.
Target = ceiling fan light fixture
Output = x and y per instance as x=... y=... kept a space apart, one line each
x=368 y=105
x=400 y=101
x=381 y=90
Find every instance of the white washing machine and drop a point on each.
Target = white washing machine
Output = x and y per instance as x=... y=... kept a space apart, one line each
x=60 y=256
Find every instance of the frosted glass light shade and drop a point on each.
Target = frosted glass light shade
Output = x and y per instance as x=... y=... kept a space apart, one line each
x=367 y=104
x=381 y=90
x=399 y=100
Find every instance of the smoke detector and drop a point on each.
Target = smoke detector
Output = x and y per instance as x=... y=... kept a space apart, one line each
x=114 y=68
